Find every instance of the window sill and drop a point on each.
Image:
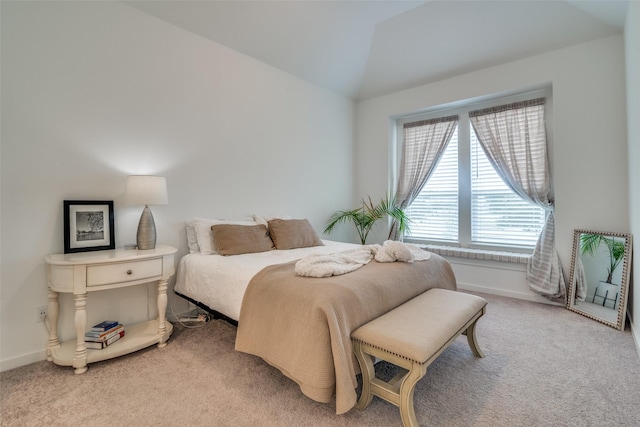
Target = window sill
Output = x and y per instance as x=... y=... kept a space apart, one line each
x=481 y=254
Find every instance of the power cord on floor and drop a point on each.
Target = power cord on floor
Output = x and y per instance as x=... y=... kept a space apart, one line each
x=191 y=321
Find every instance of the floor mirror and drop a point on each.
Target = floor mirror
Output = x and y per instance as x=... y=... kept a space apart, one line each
x=599 y=276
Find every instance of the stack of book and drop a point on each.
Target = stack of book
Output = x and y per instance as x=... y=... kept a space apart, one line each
x=103 y=334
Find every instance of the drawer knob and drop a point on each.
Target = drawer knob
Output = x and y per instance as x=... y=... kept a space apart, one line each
x=129 y=272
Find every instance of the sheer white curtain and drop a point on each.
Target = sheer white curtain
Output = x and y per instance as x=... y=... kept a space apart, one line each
x=423 y=145
x=514 y=139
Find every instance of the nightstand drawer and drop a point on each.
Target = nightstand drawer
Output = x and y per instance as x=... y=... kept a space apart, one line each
x=123 y=272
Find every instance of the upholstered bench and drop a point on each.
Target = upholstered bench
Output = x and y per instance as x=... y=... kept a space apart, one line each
x=411 y=336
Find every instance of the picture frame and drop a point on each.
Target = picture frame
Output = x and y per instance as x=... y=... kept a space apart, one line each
x=88 y=225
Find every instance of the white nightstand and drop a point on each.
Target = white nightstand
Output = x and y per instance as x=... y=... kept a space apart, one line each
x=81 y=273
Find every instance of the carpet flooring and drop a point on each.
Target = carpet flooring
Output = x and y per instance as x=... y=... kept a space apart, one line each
x=544 y=366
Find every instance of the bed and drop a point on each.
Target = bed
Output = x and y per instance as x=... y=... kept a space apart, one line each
x=302 y=325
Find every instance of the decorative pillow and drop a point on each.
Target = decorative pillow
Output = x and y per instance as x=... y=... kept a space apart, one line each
x=202 y=226
x=293 y=233
x=230 y=239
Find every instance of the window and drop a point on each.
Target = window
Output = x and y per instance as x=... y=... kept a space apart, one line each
x=465 y=202
x=434 y=213
x=498 y=215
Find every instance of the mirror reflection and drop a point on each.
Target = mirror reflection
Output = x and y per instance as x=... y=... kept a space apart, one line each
x=599 y=276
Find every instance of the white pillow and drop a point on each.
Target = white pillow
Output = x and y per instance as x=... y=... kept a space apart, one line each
x=202 y=227
x=264 y=220
x=192 y=237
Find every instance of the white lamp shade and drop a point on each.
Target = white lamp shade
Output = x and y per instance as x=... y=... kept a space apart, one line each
x=146 y=190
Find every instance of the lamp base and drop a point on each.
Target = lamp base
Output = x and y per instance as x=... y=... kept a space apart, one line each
x=146 y=236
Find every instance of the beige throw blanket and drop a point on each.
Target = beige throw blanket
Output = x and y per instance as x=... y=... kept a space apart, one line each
x=303 y=325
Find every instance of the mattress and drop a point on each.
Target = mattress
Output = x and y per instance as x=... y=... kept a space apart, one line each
x=219 y=282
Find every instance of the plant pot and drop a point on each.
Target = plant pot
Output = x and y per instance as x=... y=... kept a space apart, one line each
x=608 y=292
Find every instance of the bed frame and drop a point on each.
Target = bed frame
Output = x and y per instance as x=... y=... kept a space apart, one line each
x=214 y=313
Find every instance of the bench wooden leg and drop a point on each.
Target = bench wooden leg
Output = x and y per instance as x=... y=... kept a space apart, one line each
x=470 y=332
x=407 y=410
x=368 y=373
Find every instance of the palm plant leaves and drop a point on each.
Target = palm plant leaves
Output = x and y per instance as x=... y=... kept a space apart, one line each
x=589 y=243
x=354 y=215
x=365 y=217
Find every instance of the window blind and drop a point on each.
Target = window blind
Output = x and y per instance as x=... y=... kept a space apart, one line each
x=434 y=212
x=498 y=215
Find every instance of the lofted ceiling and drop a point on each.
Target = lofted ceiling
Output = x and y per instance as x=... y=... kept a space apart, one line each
x=363 y=49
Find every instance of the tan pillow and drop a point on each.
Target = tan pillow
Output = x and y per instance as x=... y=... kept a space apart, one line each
x=204 y=236
x=293 y=233
x=233 y=239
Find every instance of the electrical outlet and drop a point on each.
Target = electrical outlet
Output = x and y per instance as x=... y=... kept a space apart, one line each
x=42 y=313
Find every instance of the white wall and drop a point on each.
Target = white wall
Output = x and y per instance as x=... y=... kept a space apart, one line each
x=95 y=91
x=632 y=56
x=589 y=153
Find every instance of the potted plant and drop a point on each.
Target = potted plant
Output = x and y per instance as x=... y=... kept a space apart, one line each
x=368 y=214
x=589 y=243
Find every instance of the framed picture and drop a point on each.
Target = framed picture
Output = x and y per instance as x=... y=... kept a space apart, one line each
x=88 y=225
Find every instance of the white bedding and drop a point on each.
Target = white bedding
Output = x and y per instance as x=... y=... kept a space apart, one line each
x=219 y=281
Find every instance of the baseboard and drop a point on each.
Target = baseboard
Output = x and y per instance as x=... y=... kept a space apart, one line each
x=37 y=356
x=25 y=359
x=505 y=293
x=635 y=333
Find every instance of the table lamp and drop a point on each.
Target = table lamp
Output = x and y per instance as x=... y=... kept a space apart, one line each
x=145 y=190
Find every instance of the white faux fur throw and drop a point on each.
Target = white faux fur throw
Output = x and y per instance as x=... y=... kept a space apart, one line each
x=392 y=251
x=339 y=263
x=334 y=264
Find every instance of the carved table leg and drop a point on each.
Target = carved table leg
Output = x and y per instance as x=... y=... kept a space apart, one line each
x=53 y=310
x=162 y=311
x=80 y=360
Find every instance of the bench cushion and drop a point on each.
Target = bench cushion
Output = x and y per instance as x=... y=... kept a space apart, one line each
x=419 y=328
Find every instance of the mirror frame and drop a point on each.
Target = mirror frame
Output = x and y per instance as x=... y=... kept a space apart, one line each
x=624 y=284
